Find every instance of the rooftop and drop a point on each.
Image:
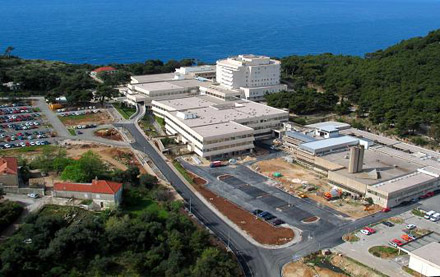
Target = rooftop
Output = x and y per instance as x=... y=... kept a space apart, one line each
x=104 y=68
x=97 y=186
x=158 y=86
x=429 y=252
x=153 y=78
x=329 y=125
x=403 y=182
x=229 y=111
x=8 y=166
x=220 y=129
x=388 y=166
x=300 y=136
x=189 y=102
x=327 y=144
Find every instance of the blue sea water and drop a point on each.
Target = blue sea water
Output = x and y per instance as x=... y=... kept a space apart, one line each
x=105 y=31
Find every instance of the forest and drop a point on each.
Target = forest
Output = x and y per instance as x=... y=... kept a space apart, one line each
x=148 y=235
x=398 y=87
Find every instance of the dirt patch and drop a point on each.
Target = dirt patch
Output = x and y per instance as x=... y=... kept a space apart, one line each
x=102 y=117
x=352 y=267
x=119 y=158
x=259 y=230
x=348 y=267
x=311 y=219
x=111 y=134
x=298 y=180
x=351 y=237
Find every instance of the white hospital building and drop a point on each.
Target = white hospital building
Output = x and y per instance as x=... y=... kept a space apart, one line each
x=214 y=128
x=241 y=77
x=254 y=76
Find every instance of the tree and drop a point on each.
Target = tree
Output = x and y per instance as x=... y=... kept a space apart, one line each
x=104 y=92
x=147 y=181
x=85 y=169
x=8 y=51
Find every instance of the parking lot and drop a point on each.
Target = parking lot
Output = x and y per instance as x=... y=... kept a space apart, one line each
x=22 y=125
x=393 y=267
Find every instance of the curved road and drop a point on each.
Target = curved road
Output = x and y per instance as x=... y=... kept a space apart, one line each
x=255 y=261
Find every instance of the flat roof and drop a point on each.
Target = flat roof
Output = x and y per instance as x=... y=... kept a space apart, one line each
x=299 y=136
x=221 y=129
x=368 y=135
x=153 y=77
x=329 y=124
x=324 y=144
x=157 y=86
x=388 y=166
x=429 y=252
x=228 y=111
x=186 y=103
x=403 y=182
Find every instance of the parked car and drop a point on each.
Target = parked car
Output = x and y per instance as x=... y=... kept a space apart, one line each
x=428 y=214
x=365 y=232
x=33 y=195
x=277 y=222
x=396 y=242
x=406 y=237
x=385 y=210
x=257 y=212
x=387 y=223
x=411 y=226
x=435 y=217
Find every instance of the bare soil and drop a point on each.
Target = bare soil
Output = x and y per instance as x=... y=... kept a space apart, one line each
x=103 y=117
x=259 y=230
x=111 y=134
x=119 y=158
x=296 y=179
x=299 y=269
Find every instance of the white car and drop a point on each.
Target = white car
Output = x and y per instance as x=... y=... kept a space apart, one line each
x=365 y=232
x=411 y=226
x=32 y=143
x=7 y=146
x=428 y=214
x=435 y=217
x=33 y=195
x=37 y=143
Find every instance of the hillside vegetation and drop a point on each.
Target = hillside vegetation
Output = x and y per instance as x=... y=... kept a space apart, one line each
x=397 y=87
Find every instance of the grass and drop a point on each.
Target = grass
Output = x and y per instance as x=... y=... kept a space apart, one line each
x=28 y=149
x=72 y=131
x=125 y=111
x=161 y=121
x=183 y=171
x=417 y=212
x=385 y=252
x=136 y=202
x=76 y=117
x=396 y=220
x=148 y=127
x=351 y=237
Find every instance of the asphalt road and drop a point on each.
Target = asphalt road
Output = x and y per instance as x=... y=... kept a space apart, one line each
x=255 y=261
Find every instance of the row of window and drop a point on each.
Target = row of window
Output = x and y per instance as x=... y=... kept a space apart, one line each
x=227 y=139
x=226 y=146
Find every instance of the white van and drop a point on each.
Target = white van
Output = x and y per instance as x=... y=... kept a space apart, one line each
x=429 y=214
x=435 y=217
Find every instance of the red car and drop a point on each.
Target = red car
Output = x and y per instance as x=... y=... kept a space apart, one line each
x=385 y=210
x=430 y=194
x=397 y=242
x=371 y=230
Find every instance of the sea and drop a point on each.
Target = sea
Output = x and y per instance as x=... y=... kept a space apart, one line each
x=126 y=31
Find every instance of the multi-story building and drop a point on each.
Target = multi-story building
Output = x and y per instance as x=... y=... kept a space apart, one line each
x=254 y=76
x=214 y=128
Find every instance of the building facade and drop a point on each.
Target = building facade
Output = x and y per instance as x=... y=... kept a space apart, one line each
x=254 y=76
x=105 y=194
x=9 y=172
x=213 y=128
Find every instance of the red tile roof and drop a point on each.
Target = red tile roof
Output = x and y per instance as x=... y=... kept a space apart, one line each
x=8 y=165
x=104 y=68
x=97 y=186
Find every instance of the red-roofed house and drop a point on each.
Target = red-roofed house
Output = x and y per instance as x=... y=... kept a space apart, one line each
x=104 y=69
x=9 y=172
x=106 y=194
